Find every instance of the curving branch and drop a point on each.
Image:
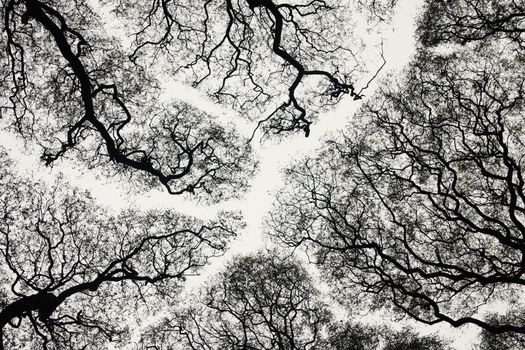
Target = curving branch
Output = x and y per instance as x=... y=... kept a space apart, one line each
x=423 y=205
x=264 y=55
x=87 y=104
x=72 y=272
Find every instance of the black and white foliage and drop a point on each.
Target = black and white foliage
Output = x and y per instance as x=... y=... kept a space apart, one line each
x=416 y=209
x=420 y=204
x=70 y=88
x=265 y=302
x=491 y=341
x=73 y=274
x=285 y=59
x=472 y=21
x=423 y=199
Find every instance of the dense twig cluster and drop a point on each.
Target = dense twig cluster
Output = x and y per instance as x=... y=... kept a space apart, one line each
x=421 y=203
x=261 y=54
x=265 y=302
x=72 y=272
x=466 y=21
x=74 y=91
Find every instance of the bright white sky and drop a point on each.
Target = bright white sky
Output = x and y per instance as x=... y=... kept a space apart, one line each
x=398 y=48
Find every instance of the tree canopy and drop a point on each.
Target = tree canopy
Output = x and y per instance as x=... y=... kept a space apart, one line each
x=418 y=206
x=72 y=273
x=74 y=86
x=258 y=302
x=472 y=21
x=70 y=88
x=284 y=59
x=266 y=301
x=510 y=340
x=420 y=203
x=76 y=90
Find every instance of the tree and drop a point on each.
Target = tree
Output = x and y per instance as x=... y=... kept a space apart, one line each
x=472 y=21
x=69 y=87
x=420 y=205
x=265 y=302
x=281 y=59
x=354 y=336
x=350 y=336
x=257 y=302
x=74 y=276
x=407 y=339
x=504 y=341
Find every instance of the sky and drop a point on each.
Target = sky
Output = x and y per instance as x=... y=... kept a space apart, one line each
x=398 y=44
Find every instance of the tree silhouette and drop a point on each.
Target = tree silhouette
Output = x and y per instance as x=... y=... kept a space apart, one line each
x=420 y=204
x=258 y=302
x=507 y=341
x=73 y=275
x=465 y=21
x=351 y=336
x=69 y=87
x=407 y=339
x=354 y=336
x=265 y=302
x=262 y=56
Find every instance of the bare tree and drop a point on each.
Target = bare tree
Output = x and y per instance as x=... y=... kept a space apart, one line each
x=68 y=86
x=257 y=302
x=74 y=276
x=465 y=21
x=421 y=203
x=278 y=58
x=265 y=302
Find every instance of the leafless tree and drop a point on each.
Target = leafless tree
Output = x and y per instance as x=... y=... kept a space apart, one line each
x=68 y=86
x=421 y=203
x=467 y=21
x=74 y=276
